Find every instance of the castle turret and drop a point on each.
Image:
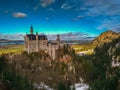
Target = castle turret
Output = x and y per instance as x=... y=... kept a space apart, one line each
x=58 y=40
x=31 y=30
x=37 y=41
x=58 y=37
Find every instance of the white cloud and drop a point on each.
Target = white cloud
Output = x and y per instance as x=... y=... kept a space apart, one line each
x=19 y=15
x=66 y=6
x=78 y=18
x=45 y=3
x=103 y=7
x=116 y=29
x=36 y=7
x=51 y=9
x=80 y=9
x=109 y=23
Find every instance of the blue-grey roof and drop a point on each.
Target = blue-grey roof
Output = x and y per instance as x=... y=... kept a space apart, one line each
x=33 y=37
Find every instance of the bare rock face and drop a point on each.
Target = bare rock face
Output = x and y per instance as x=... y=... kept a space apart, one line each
x=105 y=37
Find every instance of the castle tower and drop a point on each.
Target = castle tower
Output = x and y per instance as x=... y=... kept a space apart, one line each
x=37 y=42
x=58 y=40
x=58 y=37
x=31 y=30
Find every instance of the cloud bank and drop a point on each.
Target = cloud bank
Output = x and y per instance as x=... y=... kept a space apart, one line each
x=12 y=36
x=65 y=36
x=104 y=12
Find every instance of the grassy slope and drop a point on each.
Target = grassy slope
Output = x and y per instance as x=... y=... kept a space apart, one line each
x=11 y=49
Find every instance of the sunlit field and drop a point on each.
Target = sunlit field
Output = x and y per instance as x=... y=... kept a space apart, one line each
x=83 y=48
x=15 y=49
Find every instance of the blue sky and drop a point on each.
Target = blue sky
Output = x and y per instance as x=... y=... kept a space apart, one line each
x=59 y=16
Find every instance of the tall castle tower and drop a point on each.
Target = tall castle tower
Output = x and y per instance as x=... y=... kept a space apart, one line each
x=37 y=42
x=31 y=30
x=58 y=40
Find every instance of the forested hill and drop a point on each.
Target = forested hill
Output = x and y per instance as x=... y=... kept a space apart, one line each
x=104 y=37
x=106 y=66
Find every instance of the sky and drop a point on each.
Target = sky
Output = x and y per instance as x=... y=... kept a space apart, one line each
x=90 y=17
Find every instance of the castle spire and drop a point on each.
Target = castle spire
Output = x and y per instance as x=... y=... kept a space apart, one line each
x=31 y=30
x=36 y=33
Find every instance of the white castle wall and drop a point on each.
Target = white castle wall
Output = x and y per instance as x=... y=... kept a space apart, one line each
x=35 y=46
